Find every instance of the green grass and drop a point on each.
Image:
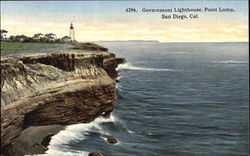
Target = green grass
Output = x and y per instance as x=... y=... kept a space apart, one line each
x=8 y=48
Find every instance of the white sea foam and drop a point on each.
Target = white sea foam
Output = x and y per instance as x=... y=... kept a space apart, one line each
x=105 y=139
x=73 y=133
x=131 y=67
x=54 y=152
x=118 y=86
x=131 y=132
x=179 y=52
x=119 y=77
x=231 y=62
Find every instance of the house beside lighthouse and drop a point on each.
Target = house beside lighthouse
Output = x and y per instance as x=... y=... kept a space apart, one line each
x=66 y=39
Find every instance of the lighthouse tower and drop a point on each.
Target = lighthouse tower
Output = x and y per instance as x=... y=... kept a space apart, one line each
x=72 y=33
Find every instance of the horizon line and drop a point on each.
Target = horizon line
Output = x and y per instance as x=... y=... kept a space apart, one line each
x=168 y=41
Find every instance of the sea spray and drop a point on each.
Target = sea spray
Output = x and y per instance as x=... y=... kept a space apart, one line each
x=131 y=67
x=73 y=133
x=53 y=152
x=231 y=62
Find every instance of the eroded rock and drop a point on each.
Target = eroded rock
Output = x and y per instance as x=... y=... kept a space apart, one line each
x=111 y=140
x=46 y=140
x=90 y=46
x=55 y=88
x=95 y=154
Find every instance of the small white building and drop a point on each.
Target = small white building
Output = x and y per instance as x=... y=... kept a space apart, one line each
x=66 y=39
x=3 y=34
x=50 y=37
x=22 y=38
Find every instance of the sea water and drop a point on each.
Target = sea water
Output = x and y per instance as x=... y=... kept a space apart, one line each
x=174 y=99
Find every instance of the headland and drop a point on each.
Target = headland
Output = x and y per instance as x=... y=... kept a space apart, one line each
x=58 y=88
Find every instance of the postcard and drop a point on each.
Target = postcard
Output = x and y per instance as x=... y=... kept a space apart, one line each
x=125 y=78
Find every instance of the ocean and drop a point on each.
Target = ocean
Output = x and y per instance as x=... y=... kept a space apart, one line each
x=173 y=99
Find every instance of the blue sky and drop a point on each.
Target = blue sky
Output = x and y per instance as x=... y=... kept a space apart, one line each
x=109 y=21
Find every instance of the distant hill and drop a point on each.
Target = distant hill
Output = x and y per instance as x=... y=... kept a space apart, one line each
x=131 y=41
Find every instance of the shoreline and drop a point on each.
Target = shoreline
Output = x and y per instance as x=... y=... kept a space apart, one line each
x=56 y=89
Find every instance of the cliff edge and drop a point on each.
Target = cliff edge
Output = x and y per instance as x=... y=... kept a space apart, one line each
x=57 y=88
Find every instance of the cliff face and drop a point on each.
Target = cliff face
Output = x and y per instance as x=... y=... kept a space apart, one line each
x=59 y=88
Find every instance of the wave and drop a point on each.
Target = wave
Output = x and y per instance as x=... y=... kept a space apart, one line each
x=119 y=77
x=131 y=67
x=73 y=133
x=231 y=62
x=131 y=132
x=54 y=152
x=118 y=86
x=179 y=52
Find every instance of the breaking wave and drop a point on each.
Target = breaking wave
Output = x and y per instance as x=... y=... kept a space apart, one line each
x=118 y=86
x=53 y=152
x=131 y=67
x=179 y=52
x=119 y=77
x=73 y=133
x=231 y=62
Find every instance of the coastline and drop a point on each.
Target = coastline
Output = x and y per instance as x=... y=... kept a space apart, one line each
x=56 y=89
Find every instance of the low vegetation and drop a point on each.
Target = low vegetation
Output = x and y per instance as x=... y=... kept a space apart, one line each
x=30 y=39
x=17 y=48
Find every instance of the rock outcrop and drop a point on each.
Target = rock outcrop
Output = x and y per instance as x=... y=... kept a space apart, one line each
x=111 y=140
x=90 y=47
x=59 y=88
x=95 y=154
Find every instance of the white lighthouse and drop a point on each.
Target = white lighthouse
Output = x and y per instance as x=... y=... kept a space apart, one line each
x=72 y=33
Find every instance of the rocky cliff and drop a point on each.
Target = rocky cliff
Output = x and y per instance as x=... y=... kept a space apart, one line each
x=58 y=88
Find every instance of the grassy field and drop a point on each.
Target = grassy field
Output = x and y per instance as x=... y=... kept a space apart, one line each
x=10 y=48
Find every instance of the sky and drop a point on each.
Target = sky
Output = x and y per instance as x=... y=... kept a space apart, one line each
x=108 y=20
